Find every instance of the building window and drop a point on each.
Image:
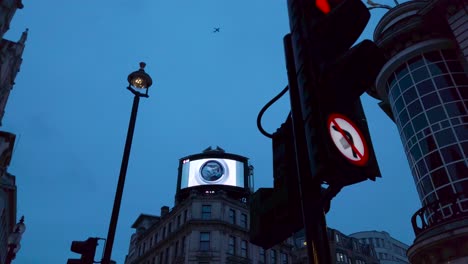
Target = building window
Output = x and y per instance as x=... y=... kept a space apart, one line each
x=167 y=255
x=164 y=233
x=206 y=211
x=155 y=239
x=178 y=221
x=170 y=228
x=204 y=241
x=151 y=242
x=284 y=258
x=341 y=258
x=243 y=220
x=182 y=249
x=176 y=248
x=262 y=258
x=232 y=216
x=273 y=256
x=244 y=248
x=185 y=216
x=232 y=245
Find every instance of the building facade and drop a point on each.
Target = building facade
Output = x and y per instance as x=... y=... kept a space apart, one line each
x=10 y=52
x=7 y=193
x=210 y=220
x=424 y=88
x=387 y=249
x=10 y=61
x=344 y=249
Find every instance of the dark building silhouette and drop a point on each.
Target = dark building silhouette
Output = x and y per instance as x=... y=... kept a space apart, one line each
x=424 y=88
x=387 y=249
x=10 y=53
x=344 y=249
x=10 y=61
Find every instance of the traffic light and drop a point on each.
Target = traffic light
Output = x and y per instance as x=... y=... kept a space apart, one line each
x=330 y=79
x=275 y=213
x=86 y=248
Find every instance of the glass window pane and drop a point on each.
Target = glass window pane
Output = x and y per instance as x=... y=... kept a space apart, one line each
x=454 y=66
x=463 y=90
x=457 y=171
x=415 y=153
x=406 y=82
x=395 y=91
x=428 y=144
x=425 y=87
x=420 y=74
x=445 y=137
x=439 y=177
x=444 y=193
x=433 y=160
x=462 y=133
x=408 y=131
x=403 y=117
x=449 y=95
x=460 y=79
x=451 y=153
x=426 y=185
x=420 y=122
x=461 y=187
x=415 y=108
x=437 y=68
x=399 y=104
x=455 y=109
x=443 y=81
x=410 y=95
x=430 y=100
x=436 y=114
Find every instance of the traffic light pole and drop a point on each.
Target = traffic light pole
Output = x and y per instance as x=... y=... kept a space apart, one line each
x=318 y=248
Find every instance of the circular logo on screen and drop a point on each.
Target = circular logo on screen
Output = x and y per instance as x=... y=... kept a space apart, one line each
x=212 y=171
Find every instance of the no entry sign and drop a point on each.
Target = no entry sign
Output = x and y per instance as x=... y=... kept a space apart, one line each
x=348 y=139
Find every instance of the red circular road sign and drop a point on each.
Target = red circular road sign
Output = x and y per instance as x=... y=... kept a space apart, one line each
x=348 y=139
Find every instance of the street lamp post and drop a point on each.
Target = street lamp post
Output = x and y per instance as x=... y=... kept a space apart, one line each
x=137 y=81
x=14 y=240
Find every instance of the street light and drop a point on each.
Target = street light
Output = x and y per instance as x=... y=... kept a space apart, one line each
x=14 y=240
x=138 y=83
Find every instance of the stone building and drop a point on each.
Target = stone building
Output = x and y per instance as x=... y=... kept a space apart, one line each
x=387 y=249
x=210 y=220
x=423 y=87
x=343 y=249
x=10 y=61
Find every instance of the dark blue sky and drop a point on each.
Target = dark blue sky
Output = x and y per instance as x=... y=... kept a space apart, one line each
x=70 y=111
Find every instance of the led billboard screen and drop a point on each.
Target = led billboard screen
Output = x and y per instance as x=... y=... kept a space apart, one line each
x=210 y=171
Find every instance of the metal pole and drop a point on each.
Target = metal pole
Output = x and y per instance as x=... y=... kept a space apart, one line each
x=318 y=248
x=120 y=185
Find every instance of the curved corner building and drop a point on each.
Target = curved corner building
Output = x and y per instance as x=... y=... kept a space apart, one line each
x=424 y=88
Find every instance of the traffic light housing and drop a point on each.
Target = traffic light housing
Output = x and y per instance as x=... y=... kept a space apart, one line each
x=275 y=213
x=330 y=79
x=86 y=248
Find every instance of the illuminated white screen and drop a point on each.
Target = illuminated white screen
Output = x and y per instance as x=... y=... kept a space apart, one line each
x=212 y=171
